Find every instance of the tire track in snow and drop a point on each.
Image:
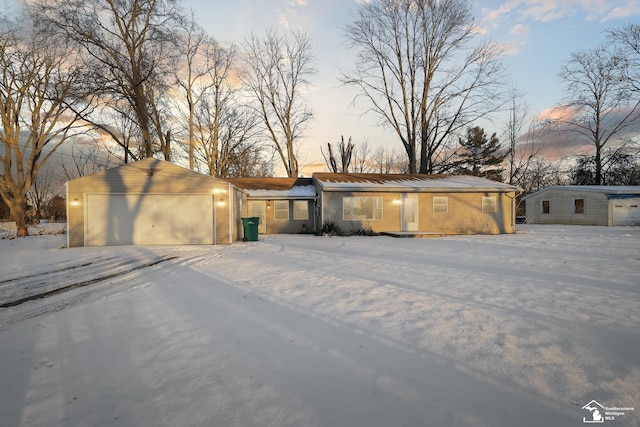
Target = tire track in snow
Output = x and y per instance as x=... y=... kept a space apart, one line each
x=87 y=282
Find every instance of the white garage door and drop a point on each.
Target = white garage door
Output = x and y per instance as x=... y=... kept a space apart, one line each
x=626 y=211
x=149 y=219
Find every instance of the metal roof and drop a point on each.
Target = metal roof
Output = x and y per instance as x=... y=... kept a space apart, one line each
x=601 y=189
x=408 y=183
x=275 y=188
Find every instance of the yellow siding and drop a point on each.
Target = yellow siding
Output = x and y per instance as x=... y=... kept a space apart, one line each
x=149 y=176
x=464 y=215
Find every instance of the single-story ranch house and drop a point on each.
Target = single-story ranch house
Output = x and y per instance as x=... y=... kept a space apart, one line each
x=584 y=205
x=152 y=202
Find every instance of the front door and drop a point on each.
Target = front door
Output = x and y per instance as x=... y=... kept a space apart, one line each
x=409 y=212
x=258 y=208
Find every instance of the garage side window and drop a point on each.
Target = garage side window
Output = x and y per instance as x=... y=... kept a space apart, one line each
x=300 y=210
x=441 y=204
x=356 y=208
x=281 y=210
x=578 y=206
x=489 y=204
x=546 y=207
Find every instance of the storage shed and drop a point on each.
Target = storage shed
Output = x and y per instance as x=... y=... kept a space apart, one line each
x=150 y=202
x=416 y=204
x=584 y=205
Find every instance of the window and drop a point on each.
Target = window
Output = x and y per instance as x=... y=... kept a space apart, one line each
x=355 y=208
x=578 y=206
x=300 y=210
x=281 y=209
x=489 y=204
x=441 y=204
x=546 y=207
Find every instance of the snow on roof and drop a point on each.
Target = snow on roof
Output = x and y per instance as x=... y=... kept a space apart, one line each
x=407 y=182
x=603 y=189
x=276 y=188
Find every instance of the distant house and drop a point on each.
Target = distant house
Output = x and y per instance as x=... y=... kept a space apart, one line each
x=284 y=205
x=415 y=204
x=150 y=202
x=584 y=205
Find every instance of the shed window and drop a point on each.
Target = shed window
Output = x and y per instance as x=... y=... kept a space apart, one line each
x=578 y=206
x=546 y=207
x=489 y=204
x=356 y=208
x=281 y=210
x=300 y=210
x=441 y=204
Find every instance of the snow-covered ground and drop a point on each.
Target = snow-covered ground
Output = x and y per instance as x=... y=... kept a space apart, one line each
x=508 y=330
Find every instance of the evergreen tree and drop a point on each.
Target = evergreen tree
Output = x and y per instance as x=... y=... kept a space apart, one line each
x=480 y=156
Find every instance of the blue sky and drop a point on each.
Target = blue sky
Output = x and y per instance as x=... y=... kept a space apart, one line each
x=538 y=35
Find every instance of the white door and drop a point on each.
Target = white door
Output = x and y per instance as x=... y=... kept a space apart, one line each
x=409 y=212
x=258 y=208
x=626 y=211
x=149 y=219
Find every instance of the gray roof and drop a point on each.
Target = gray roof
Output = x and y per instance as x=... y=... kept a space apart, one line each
x=600 y=189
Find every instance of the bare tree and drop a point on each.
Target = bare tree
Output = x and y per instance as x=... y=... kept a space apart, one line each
x=361 y=157
x=276 y=71
x=417 y=70
x=601 y=105
x=127 y=45
x=627 y=39
x=85 y=159
x=37 y=93
x=346 y=152
x=205 y=64
x=41 y=192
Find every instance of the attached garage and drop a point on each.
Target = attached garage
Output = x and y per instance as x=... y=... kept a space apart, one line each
x=150 y=202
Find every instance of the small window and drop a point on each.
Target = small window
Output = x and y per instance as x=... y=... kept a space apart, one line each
x=441 y=204
x=281 y=210
x=578 y=206
x=546 y=207
x=489 y=204
x=300 y=210
x=359 y=208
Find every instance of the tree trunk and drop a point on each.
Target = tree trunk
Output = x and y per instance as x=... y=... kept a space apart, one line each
x=18 y=210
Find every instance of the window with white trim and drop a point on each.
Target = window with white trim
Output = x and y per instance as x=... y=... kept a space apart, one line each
x=578 y=206
x=358 y=208
x=300 y=210
x=441 y=204
x=281 y=209
x=546 y=207
x=489 y=204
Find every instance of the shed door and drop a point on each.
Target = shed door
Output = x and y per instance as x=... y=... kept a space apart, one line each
x=149 y=219
x=626 y=211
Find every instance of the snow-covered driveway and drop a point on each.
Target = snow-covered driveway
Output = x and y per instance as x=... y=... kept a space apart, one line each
x=505 y=330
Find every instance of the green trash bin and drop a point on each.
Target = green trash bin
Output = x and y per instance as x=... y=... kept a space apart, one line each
x=250 y=226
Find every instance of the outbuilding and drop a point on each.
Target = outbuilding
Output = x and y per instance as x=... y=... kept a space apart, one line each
x=584 y=205
x=150 y=202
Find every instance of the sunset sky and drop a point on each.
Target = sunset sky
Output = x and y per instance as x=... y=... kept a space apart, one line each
x=538 y=35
